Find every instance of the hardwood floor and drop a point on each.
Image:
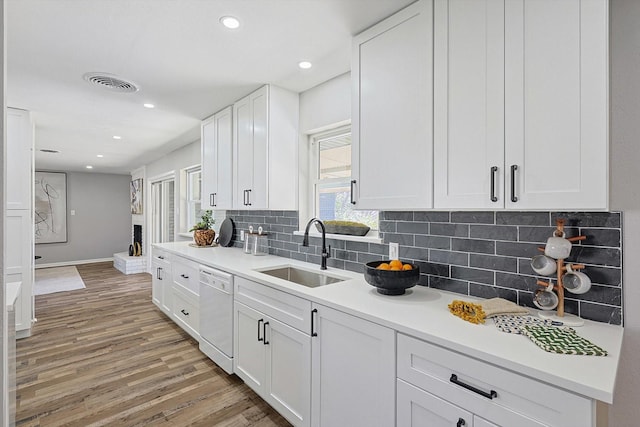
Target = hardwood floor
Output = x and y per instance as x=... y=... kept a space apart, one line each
x=105 y=355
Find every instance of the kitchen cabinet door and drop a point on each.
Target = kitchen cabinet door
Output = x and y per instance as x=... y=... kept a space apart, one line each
x=392 y=110
x=248 y=347
x=217 y=161
x=19 y=165
x=265 y=137
x=353 y=371
x=556 y=105
x=288 y=372
x=161 y=286
x=468 y=104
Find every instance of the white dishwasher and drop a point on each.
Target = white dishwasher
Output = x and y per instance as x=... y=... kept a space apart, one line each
x=216 y=316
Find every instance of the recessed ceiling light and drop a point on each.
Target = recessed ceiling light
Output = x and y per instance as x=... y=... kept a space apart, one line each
x=147 y=105
x=100 y=156
x=230 y=22
x=117 y=137
x=89 y=167
x=305 y=65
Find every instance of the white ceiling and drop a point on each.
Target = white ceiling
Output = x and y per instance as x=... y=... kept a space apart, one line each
x=184 y=61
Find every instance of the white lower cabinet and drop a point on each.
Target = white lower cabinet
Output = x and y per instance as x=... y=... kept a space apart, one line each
x=417 y=408
x=273 y=358
x=353 y=371
x=161 y=289
x=185 y=310
x=437 y=386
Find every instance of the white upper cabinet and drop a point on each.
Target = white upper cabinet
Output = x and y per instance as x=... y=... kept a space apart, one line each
x=468 y=103
x=520 y=104
x=19 y=163
x=265 y=150
x=556 y=103
x=392 y=112
x=217 y=161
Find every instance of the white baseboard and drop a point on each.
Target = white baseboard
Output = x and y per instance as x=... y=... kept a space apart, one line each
x=82 y=261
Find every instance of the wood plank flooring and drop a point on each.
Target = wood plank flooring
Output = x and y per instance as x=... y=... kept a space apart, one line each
x=105 y=355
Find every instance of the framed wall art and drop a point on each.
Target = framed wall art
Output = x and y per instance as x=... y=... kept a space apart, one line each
x=136 y=196
x=50 y=207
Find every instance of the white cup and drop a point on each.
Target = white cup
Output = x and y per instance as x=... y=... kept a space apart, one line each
x=576 y=282
x=545 y=298
x=543 y=265
x=557 y=247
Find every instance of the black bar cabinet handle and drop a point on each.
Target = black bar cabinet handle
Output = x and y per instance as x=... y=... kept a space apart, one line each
x=353 y=183
x=259 y=322
x=514 y=168
x=158 y=273
x=160 y=257
x=212 y=199
x=248 y=197
x=313 y=323
x=461 y=422
x=494 y=169
x=186 y=313
x=490 y=395
x=264 y=332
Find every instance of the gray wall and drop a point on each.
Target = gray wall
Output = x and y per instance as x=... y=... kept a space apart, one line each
x=625 y=192
x=101 y=225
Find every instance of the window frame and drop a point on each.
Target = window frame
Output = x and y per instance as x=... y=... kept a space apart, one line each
x=191 y=213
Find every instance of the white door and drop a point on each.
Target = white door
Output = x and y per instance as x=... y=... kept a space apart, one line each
x=417 y=408
x=556 y=104
x=289 y=372
x=353 y=371
x=243 y=151
x=249 y=348
x=392 y=111
x=468 y=104
x=260 y=115
x=223 y=162
x=19 y=165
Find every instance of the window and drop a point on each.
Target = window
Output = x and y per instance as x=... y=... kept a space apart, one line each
x=332 y=183
x=163 y=212
x=194 y=187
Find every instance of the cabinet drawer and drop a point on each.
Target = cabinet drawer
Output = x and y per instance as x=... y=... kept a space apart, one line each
x=518 y=400
x=287 y=308
x=160 y=256
x=185 y=312
x=185 y=273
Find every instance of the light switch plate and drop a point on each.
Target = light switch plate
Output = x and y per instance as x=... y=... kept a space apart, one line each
x=393 y=251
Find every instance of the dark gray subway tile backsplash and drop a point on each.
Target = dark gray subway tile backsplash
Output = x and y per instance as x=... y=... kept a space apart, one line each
x=484 y=254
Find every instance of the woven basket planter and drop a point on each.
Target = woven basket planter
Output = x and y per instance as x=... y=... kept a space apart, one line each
x=204 y=237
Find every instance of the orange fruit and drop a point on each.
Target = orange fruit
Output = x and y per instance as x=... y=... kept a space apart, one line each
x=395 y=263
x=396 y=268
x=383 y=266
x=407 y=267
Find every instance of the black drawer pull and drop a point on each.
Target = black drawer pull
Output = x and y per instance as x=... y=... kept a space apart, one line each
x=461 y=422
x=186 y=313
x=494 y=198
x=184 y=276
x=264 y=333
x=514 y=168
x=353 y=200
x=490 y=395
x=259 y=322
x=313 y=323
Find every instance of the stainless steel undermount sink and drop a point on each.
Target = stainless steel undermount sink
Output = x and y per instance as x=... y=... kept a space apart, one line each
x=310 y=279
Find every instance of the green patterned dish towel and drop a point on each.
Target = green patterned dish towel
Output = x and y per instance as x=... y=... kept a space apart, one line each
x=561 y=340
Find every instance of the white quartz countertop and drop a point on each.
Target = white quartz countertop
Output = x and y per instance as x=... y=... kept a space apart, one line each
x=422 y=312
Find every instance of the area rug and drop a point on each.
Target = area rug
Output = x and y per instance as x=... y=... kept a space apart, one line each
x=57 y=279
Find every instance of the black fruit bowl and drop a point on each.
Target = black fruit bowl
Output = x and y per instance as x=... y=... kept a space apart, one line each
x=389 y=282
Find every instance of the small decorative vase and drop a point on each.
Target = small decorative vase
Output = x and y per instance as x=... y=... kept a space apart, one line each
x=204 y=237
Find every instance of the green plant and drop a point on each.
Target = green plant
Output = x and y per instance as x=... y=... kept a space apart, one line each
x=206 y=221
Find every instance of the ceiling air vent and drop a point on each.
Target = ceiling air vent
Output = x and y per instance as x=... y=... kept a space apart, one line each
x=111 y=82
x=46 y=150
